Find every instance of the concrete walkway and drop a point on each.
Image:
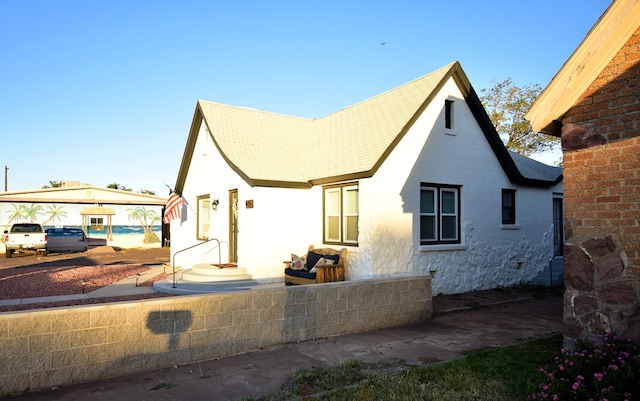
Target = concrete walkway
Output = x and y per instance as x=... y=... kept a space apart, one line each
x=446 y=337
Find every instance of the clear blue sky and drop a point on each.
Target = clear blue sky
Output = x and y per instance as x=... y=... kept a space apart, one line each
x=103 y=91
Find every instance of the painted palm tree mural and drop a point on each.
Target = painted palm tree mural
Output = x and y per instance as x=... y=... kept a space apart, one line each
x=18 y=213
x=33 y=211
x=55 y=213
x=147 y=218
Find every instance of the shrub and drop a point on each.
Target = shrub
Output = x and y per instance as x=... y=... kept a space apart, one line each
x=606 y=371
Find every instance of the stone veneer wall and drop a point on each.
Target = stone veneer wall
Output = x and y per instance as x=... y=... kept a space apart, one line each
x=601 y=255
x=64 y=346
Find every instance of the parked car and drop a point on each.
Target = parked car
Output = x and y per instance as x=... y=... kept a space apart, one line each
x=24 y=238
x=66 y=239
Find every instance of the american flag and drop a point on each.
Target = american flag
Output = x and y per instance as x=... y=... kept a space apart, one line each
x=173 y=209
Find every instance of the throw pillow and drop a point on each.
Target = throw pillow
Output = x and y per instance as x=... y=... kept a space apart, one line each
x=312 y=259
x=321 y=262
x=296 y=262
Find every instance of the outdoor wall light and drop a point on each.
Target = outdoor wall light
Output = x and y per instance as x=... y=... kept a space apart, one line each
x=214 y=204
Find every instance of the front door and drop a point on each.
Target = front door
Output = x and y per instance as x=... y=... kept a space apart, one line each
x=233 y=226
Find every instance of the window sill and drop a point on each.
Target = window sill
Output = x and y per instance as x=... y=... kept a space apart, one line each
x=510 y=226
x=443 y=247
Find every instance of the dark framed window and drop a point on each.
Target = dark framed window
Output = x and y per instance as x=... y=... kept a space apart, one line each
x=340 y=214
x=508 y=206
x=448 y=114
x=439 y=214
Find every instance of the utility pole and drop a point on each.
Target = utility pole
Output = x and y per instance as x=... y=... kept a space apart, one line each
x=6 y=170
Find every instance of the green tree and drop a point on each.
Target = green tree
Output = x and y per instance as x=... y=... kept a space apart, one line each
x=506 y=105
x=146 y=218
x=53 y=184
x=120 y=187
x=148 y=192
x=55 y=213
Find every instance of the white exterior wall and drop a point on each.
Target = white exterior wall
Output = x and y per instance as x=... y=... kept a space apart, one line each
x=489 y=256
x=284 y=221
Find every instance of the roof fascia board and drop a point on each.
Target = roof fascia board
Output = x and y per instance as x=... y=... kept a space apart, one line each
x=496 y=144
x=463 y=84
x=342 y=178
x=281 y=184
x=602 y=43
x=196 y=123
x=187 y=155
x=104 y=201
x=231 y=164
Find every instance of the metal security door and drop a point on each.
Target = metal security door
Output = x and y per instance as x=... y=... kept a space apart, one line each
x=558 y=225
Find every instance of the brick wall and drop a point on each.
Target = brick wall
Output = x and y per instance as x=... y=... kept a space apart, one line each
x=601 y=143
x=65 y=346
x=602 y=194
x=611 y=104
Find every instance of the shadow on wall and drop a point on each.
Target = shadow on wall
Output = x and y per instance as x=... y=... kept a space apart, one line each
x=173 y=323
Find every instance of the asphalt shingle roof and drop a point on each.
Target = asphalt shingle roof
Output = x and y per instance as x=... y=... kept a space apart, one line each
x=274 y=147
x=534 y=170
x=270 y=149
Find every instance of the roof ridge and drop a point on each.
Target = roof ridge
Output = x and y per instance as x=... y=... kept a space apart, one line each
x=399 y=87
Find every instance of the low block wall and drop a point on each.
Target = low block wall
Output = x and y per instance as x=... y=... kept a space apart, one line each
x=64 y=346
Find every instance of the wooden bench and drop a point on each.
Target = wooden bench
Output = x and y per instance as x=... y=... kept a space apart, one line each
x=324 y=273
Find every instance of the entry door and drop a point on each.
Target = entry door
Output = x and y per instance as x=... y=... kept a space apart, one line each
x=558 y=225
x=233 y=226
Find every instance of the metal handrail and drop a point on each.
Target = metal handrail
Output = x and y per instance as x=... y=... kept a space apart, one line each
x=173 y=262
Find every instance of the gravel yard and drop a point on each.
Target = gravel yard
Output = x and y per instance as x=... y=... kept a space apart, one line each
x=29 y=276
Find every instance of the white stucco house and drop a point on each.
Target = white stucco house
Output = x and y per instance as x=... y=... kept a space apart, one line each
x=412 y=181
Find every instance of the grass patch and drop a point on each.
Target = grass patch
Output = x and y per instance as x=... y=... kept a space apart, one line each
x=509 y=373
x=163 y=386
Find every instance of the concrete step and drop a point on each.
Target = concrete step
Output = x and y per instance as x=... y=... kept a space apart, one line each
x=189 y=287
x=551 y=276
x=206 y=273
x=205 y=278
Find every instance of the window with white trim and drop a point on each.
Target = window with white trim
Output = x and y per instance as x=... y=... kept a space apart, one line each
x=340 y=223
x=439 y=214
x=204 y=208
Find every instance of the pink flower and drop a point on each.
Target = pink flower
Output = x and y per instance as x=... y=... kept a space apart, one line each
x=575 y=386
x=598 y=376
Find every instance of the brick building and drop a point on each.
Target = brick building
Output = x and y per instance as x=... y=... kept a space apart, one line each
x=593 y=104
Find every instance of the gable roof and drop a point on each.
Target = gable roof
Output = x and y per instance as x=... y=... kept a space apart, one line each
x=602 y=43
x=268 y=149
x=534 y=170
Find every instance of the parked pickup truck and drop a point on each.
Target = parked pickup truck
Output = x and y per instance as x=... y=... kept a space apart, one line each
x=25 y=237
